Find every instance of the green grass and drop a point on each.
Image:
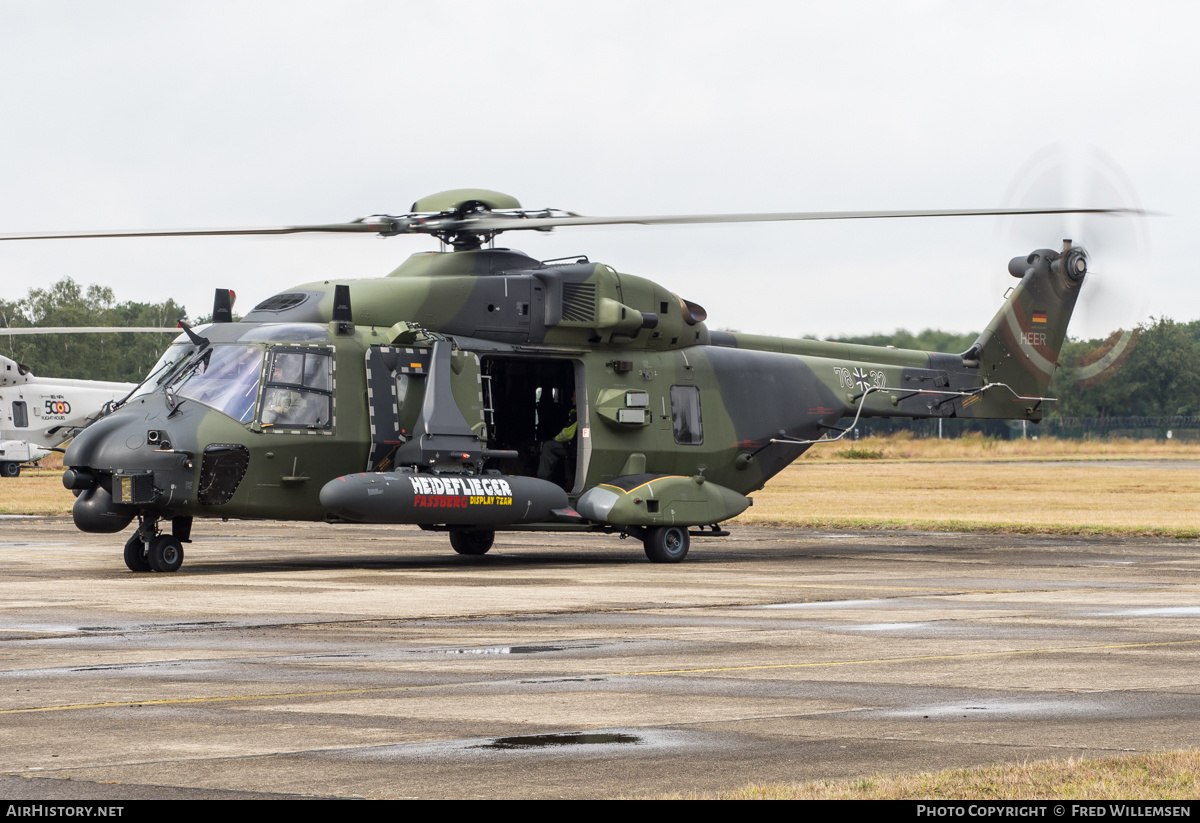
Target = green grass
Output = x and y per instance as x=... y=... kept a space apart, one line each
x=861 y=454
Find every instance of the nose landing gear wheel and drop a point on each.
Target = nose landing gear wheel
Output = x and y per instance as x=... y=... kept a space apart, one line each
x=165 y=553
x=475 y=543
x=666 y=544
x=135 y=554
x=10 y=469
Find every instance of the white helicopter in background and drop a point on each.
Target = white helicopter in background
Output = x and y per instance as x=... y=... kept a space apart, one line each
x=39 y=414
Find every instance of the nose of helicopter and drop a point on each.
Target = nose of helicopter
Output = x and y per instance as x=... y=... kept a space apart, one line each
x=98 y=445
x=134 y=438
x=118 y=465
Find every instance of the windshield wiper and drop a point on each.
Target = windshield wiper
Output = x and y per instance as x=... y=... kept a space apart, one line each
x=166 y=369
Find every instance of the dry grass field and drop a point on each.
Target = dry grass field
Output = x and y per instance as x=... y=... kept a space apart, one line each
x=1157 y=777
x=975 y=483
x=977 y=447
x=39 y=490
x=971 y=483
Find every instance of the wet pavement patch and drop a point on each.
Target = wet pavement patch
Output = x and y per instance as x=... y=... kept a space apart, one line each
x=157 y=627
x=335 y=656
x=485 y=650
x=596 y=743
x=506 y=649
x=1048 y=708
x=123 y=667
x=884 y=627
x=547 y=741
x=1153 y=611
x=828 y=604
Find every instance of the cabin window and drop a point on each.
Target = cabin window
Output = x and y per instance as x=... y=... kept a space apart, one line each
x=299 y=389
x=685 y=416
x=20 y=414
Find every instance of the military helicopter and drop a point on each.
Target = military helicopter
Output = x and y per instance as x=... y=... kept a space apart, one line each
x=430 y=396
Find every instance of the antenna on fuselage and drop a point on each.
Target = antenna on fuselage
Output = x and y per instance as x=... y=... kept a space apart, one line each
x=223 y=306
x=342 y=315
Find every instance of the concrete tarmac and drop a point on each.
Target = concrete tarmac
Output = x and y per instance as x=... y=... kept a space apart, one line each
x=313 y=660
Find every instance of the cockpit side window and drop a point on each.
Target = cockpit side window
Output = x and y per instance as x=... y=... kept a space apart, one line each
x=299 y=389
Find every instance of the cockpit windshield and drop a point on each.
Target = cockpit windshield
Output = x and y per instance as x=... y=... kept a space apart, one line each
x=163 y=370
x=226 y=378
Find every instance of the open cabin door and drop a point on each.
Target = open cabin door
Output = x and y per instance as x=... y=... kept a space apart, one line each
x=424 y=403
x=530 y=401
x=395 y=381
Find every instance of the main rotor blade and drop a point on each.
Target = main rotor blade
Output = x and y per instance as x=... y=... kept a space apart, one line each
x=359 y=226
x=490 y=222
x=515 y=221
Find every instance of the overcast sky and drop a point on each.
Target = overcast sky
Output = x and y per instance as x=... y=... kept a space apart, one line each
x=156 y=114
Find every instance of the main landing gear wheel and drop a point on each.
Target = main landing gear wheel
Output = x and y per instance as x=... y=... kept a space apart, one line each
x=165 y=553
x=10 y=469
x=476 y=543
x=135 y=554
x=666 y=544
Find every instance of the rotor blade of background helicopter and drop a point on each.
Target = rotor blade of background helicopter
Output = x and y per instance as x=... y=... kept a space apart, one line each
x=489 y=222
x=88 y=330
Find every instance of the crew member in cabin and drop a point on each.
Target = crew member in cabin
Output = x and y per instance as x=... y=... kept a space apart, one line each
x=555 y=452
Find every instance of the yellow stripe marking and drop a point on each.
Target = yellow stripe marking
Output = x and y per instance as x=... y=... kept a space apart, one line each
x=635 y=488
x=922 y=658
x=230 y=698
x=856 y=585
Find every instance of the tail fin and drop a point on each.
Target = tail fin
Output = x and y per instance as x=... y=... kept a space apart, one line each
x=1020 y=346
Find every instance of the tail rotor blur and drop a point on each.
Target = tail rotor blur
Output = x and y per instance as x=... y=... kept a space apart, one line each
x=1118 y=245
x=1115 y=297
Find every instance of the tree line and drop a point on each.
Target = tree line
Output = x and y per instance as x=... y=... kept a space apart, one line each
x=1154 y=373
x=121 y=357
